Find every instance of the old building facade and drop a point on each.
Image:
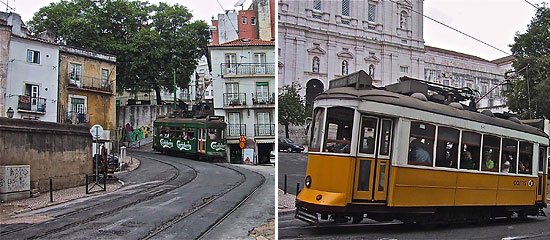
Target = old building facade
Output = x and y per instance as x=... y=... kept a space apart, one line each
x=321 y=40
x=243 y=83
x=87 y=87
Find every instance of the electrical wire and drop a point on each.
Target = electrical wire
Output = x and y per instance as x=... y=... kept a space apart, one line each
x=533 y=5
x=463 y=33
x=236 y=31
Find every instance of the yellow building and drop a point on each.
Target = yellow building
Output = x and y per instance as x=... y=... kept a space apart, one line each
x=87 y=88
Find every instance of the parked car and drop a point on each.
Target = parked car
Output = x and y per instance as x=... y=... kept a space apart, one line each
x=289 y=145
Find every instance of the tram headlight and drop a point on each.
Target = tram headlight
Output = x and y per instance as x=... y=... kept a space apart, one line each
x=308 y=181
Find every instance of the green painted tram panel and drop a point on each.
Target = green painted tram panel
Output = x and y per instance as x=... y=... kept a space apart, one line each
x=180 y=145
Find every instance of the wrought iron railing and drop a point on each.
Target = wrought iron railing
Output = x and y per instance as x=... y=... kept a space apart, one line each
x=266 y=99
x=247 y=69
x=32 y=103
x=234 y=99
x=92 y=83
x=235 y=130
x=264 y=129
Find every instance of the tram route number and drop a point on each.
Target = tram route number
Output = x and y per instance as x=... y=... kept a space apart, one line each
x=529 y=183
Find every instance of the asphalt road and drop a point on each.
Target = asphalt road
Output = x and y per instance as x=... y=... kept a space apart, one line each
x=165 y=198
x=293 y=165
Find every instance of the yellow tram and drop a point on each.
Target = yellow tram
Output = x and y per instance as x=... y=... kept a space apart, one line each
x=412 y=152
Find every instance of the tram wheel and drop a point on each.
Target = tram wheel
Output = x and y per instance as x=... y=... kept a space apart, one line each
x=340 y=219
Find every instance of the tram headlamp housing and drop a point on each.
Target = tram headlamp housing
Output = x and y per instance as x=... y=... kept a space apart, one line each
x=308 y=181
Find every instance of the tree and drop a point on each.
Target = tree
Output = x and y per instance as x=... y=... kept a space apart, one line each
x=527 y=94
x=291 y=106
x=149 y=41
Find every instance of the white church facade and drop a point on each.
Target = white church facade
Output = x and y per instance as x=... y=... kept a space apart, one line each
x=321 y=40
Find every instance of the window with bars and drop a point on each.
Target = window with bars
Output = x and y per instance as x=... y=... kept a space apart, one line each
x=345 y=8
x=77 y=105
x=372 y=13
x=317 y=5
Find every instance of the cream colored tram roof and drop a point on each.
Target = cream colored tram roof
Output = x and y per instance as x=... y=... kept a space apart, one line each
x=383 y=96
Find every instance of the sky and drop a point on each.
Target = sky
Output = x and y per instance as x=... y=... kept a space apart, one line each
x=492 y=21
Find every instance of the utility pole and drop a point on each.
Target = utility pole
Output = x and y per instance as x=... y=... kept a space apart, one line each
x=175 y=87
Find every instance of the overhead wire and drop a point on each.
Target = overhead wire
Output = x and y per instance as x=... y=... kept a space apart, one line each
x=236 y=31
x=454 y=29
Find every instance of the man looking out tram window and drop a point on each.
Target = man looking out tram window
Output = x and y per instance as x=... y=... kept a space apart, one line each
x=466 y=162
x=487 y=163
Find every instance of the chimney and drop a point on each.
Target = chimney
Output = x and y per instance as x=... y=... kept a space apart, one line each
x=47 y=35
x=14 y=20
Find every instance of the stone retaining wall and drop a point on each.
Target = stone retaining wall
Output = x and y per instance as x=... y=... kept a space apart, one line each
x=53 y=150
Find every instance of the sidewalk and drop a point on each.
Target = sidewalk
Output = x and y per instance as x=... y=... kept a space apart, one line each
x=286 y=203
x=10 y=210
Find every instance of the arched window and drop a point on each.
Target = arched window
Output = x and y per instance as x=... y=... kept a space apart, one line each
x=315 y=65
x=371 y=70
x=344 y=67
x=403 y=19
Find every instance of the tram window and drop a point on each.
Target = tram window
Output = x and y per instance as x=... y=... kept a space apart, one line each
x=317 y=130
x=421 y=143
x=176 y=133
x=162 y=132
x=189 y=134
x=509 y=155
x=339 y=129
x=385 y=137
x=542 y=156
x=215 y=134
x=368 y=133
x=447 y=147
x=491 y=151
x=471 y=143
x=525 y=158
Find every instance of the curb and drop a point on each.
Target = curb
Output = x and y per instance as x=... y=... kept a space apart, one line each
x=284 y=212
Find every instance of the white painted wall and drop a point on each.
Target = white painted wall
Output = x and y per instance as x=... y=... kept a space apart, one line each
x=44 y=74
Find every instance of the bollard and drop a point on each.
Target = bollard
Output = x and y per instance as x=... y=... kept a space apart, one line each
x=285 y=184
x=297 y=188
x=51 y=190
x=105 y=181
x=87 y=192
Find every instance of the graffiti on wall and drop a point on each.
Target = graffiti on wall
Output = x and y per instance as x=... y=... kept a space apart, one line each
x=14 y=178
x=129 y=134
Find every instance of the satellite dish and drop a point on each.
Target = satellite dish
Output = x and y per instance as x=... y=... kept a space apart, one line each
x=239 y=3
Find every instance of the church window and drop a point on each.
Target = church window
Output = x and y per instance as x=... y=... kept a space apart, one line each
x=315 y=65
x=404 y=69
x=317 y=5
x=372 y=13
x=345 y=8
x=344 y=67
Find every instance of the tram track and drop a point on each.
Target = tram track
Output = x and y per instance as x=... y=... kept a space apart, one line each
x=112 y=211
x=180 y=218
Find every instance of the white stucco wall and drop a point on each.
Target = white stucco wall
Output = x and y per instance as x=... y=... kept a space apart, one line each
x=44 y=74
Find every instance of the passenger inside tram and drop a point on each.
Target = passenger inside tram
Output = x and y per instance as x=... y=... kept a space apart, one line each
x=418 y=153
x=466 y=161
x=506 y=165
x=487 y=162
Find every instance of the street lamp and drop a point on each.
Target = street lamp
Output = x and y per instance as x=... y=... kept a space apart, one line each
x=10 y=112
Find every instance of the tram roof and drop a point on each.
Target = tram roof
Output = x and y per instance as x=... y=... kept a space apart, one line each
x=189 y=120
x=383 y=96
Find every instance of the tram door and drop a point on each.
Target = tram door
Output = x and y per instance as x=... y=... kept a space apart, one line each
x=202 y=140
x=373 y=159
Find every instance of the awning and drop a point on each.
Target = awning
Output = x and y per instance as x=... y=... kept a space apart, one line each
x=272 y=140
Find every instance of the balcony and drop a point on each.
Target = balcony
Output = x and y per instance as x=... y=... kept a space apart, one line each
x=264 y=130
x=89 y=83
x=247 y=69
x=77 y=118
x=31 y=104
x=236 y=130
x=234 y=99
x=263 y=100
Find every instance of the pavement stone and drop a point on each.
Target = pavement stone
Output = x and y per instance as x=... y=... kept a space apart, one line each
x=286 y=203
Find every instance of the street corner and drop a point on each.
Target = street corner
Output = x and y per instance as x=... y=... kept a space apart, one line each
x=286 y=203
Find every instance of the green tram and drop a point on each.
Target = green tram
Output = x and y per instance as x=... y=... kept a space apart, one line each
x=201 y=137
